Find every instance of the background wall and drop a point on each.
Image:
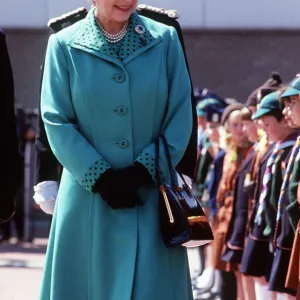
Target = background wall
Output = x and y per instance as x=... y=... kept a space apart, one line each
x=232 y=45
x=194 y=13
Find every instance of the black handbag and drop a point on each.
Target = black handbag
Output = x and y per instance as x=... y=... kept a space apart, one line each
x=182 y=220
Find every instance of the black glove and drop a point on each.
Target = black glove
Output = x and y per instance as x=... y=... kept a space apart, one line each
x=118 y=188
x=134 y=177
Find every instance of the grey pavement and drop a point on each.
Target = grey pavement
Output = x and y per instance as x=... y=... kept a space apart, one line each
x=21 y=268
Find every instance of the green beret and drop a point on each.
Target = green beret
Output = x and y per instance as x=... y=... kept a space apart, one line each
x=269 y=104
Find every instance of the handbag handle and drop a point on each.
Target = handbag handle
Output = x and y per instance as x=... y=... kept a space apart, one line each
x=168 y=156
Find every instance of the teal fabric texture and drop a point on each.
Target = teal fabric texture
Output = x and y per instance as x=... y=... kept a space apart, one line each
x=102 y=110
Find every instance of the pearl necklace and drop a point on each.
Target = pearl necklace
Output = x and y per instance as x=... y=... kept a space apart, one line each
x=114 y=38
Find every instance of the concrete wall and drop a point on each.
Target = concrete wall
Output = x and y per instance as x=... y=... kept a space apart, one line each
x=231 y=62
x=197 y=14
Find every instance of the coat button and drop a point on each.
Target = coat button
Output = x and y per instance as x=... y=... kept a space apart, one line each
x=122 y=110
x=120 y=78
x=123 y=143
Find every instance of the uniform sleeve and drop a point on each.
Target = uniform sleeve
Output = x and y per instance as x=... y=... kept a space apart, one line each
x=177 y=125
x=70 y=147
x=214 y=182
x=272 y=201
x=293 y=208
x=205 y=160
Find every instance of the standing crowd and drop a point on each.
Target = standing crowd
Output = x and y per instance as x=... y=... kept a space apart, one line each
x=247 y=178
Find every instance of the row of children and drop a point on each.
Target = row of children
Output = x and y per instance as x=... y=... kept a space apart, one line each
x=247 y=177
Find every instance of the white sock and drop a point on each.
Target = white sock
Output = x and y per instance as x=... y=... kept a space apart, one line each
x=261 y=291
x=206 y=279
x=217 y=281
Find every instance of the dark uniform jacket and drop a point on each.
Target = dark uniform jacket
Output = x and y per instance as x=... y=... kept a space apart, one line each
x=289 y=218
x=238 y=223
x=205 y=159
x=259 y=246
x=213 y=180
x=283 y=238
x=277 y=180
x=244 y=200
x=287 y=237
x=232 y=162
x=10 y=164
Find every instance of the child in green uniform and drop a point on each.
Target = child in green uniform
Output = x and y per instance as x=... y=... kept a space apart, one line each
x=258 y=248
x=289 y=207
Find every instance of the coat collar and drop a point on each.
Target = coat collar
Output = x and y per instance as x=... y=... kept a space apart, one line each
x=137 y=40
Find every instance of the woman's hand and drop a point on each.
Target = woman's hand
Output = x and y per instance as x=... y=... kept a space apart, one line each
x=119 y=187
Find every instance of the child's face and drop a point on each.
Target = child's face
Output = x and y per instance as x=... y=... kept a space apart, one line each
x=289 y=115
x=250 y=130
x=235 y=127
x=213 y=132
x=202 y=123
x=295 y=109
x=275 y=130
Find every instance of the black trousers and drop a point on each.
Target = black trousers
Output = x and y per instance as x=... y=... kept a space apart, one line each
x=18 y=219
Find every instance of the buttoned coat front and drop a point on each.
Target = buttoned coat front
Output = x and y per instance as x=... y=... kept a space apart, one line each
x=103 y=110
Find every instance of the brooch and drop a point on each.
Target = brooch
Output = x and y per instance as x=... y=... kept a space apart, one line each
x=141 y=30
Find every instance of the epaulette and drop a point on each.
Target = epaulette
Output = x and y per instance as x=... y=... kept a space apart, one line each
x=171 y=13
x=68 y=19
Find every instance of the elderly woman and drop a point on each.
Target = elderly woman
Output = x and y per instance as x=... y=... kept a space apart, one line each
x=112 y=84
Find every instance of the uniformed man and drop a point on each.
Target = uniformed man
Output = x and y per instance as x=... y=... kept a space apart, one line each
x=10 y=168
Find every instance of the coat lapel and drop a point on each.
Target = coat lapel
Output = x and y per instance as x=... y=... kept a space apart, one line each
x=137 y=40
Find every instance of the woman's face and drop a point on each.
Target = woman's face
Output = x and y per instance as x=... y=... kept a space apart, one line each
x=250 y=130
x=235 y=127
x=295 y=109
x=116 y=10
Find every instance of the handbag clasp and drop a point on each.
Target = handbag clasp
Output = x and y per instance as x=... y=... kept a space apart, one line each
x=163 y=191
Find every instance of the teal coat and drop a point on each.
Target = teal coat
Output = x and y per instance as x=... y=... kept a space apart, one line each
x=102 y=111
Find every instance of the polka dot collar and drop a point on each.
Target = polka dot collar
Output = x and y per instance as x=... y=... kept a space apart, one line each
x=138 y=37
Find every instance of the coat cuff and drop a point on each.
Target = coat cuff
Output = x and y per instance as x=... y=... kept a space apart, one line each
x=148 y=161
x=93 y=174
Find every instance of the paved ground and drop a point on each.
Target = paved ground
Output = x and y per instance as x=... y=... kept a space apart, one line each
x=21 y=270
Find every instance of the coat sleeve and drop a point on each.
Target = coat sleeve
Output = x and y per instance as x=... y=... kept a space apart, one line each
x=70 y=147
x=177 y=125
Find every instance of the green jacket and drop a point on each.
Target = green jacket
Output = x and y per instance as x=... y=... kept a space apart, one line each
x=293 y=207
x=278 y=171
x=204 y=161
